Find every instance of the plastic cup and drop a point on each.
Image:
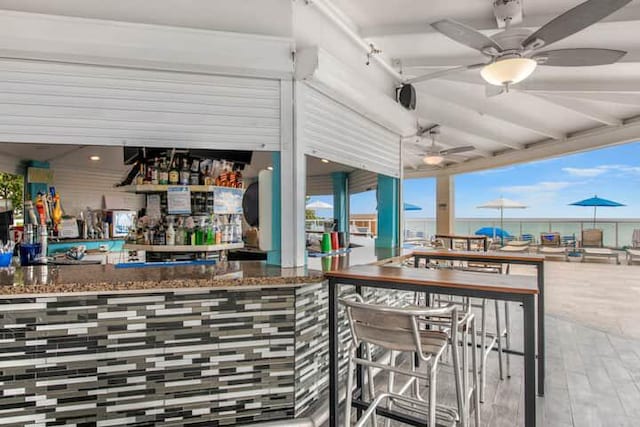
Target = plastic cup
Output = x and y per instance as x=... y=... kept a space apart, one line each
x=28 y=253
x=334 y=241
x=325 y=245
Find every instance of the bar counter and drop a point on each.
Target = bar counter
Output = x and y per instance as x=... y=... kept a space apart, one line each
x=229 y=344
x=56 y=280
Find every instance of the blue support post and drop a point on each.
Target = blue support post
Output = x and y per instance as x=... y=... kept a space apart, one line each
x=341 y=200
x=274 y=255
x=388 y=195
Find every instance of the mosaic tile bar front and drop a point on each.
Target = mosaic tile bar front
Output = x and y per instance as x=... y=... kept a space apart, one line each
x=186 y=357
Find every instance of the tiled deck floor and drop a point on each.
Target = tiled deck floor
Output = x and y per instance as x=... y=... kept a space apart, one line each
x=593 y=352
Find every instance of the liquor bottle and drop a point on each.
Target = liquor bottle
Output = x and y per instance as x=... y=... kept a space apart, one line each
x=184 y=172
x=163 y=174
x=154 y=172
x=174 y=175
x=147 y=174
x=141 y=174
x=205 y=179
x=170 y=233
x=194 y=175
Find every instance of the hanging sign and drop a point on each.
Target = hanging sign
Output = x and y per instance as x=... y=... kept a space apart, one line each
x=178 y=200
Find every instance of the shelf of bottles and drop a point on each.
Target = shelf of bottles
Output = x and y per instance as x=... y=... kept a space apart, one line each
x=211 y=223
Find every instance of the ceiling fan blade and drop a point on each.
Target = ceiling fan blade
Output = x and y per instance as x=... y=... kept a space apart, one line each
x=466 y=35
x=457 y=150
x=573 y=20
x=438 y=74
x=579 y=57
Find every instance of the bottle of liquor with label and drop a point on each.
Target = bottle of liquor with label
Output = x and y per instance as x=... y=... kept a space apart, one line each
x=194 y=175
x=174 y=174
x=154 y=171
x=163 y=173
x=184 y=172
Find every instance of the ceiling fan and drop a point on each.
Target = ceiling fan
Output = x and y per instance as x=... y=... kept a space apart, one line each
x=435 y=155
x=515 y=53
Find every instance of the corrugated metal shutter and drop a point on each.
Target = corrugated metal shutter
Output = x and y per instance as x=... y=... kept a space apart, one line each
x=319 y=185
x=77 y=104
x=333 y=131
x=360 y=181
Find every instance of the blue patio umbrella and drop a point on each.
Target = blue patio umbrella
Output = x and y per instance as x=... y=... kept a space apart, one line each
x=411 y=207
x=492 y=232
x=596 y=202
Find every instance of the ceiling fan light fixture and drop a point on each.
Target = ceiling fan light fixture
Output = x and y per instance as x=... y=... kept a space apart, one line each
x=508 y=71
x=433 y=159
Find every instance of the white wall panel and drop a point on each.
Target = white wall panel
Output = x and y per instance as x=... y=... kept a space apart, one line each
x=81 y=188
x=77 y=104
x=331 y=130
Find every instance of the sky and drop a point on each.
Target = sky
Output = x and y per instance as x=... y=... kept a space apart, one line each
x=547 y=187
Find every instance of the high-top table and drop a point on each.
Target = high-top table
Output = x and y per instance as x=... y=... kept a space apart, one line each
x=521 y=289
x=468 y=239
x=497 y=257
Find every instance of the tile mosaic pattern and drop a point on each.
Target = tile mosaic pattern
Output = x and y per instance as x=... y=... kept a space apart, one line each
x=312 y=338
x=219 y=357
x=186 y=357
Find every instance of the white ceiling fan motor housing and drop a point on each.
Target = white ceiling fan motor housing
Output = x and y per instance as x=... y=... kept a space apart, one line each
x=511 y=39
x=507 y=10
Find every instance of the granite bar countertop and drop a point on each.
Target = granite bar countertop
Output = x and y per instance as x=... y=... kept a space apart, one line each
x=56 y=280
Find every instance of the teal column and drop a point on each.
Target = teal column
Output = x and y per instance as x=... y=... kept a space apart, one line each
x=274 y=255
x=341 y=200
x=388 y=195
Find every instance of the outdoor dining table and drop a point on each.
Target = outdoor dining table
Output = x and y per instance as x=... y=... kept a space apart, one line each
x=468 y=239
x=534 y=260
x=522 y=289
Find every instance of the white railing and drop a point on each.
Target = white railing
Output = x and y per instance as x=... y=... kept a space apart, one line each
x=617 y=232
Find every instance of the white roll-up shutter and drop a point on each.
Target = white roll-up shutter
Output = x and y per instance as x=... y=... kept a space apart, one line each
x=361 y=181
x=319 y=185
x=50 y=102
x=331 y=130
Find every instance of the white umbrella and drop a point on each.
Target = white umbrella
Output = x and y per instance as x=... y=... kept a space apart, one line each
x=502 y=204
x=319 y=205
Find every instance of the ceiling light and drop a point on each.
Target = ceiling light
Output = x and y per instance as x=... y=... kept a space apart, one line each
x=269 y=168
x=94 y=158
x=433 y=159
x=324 y=160
x=508 y=71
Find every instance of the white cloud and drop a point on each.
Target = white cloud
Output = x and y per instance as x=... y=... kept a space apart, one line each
x=585 y=172
x=539 y=187
x=602 y=169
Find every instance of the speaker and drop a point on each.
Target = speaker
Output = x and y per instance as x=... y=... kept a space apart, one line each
x=407 y=96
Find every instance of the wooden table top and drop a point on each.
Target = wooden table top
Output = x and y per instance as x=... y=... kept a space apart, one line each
x=457 y=236
x=445 y=278
x=480 y=256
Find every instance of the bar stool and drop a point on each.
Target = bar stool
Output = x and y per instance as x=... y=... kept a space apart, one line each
x=399 y=330
x=489 y=341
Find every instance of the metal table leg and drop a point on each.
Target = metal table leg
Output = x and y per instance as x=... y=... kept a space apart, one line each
x=334 y=399
x=541 y=341
x=529 y=360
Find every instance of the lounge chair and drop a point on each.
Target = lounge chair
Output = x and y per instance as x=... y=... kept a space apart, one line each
x=635 y=240
x=514 y=249
x=633 y=255
x=550 y=239
x=552 y=251
x=528 y=238
x=592 y=246
x=518 y=243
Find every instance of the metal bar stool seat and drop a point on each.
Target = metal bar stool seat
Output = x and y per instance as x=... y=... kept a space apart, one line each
x=398 y=330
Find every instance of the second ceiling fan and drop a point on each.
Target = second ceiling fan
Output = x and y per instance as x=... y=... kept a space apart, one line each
x=515 y=53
